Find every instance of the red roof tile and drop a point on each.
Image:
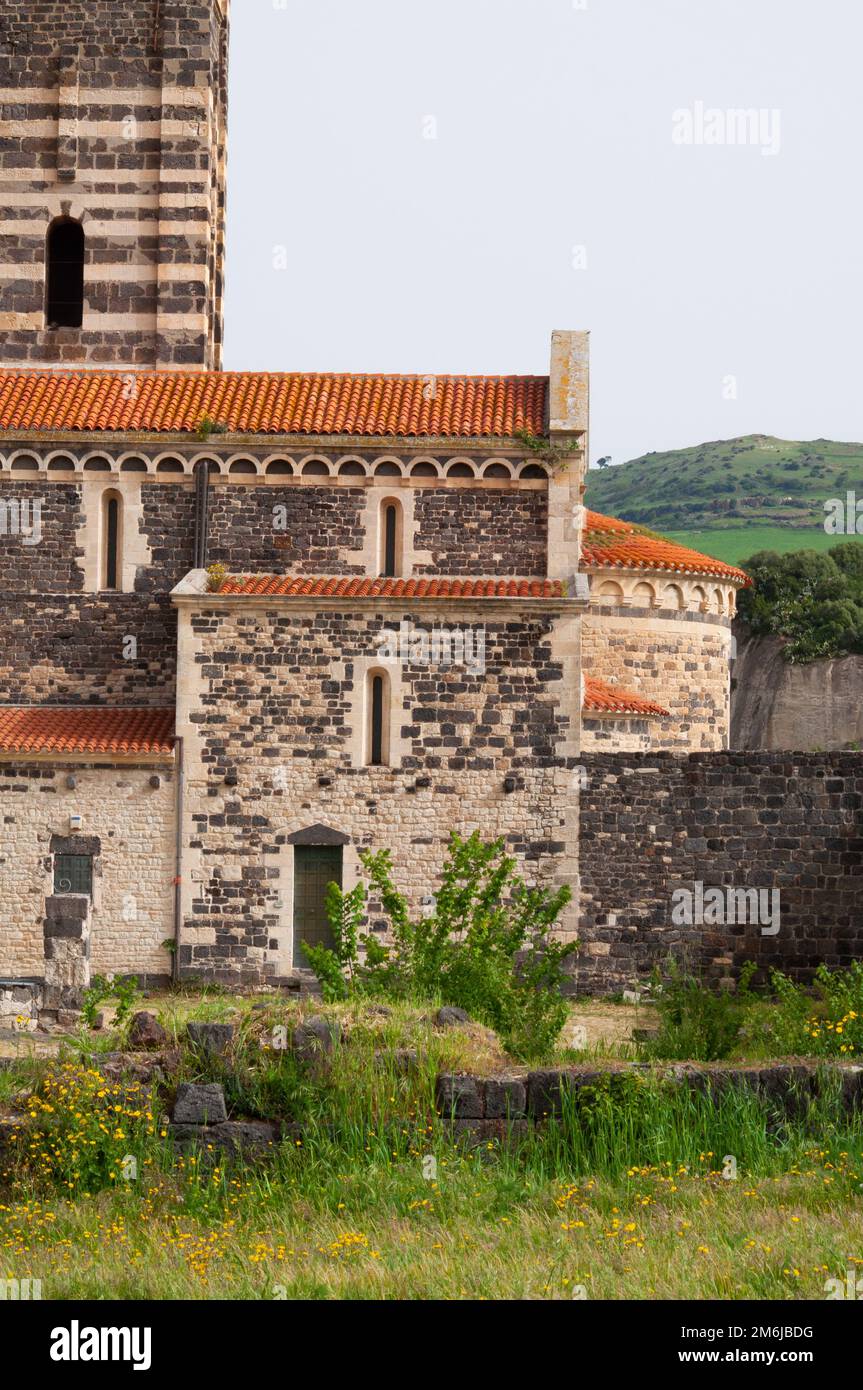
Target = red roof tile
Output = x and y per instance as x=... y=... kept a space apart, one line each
x=274 y=403
x=93 y=729
x=309 y=586
x=607 y=699
x=611 y=544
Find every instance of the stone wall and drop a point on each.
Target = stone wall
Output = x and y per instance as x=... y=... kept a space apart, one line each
x=327 y=529
x=492 y=532
x=272 y=711
x=679 y=660
x=133 y=897
x=62 y=641
x=114 y=115
x=42 y=28
x=65 y=642
x=319 y=531
x=652 y=824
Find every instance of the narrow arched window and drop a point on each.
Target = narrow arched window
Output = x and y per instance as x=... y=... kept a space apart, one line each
x=378 y=719
x=390 y=522
x=112 y=516
x=64 y=306
x=391 y=539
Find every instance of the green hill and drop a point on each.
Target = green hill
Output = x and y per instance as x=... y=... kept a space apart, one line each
x=734 y=497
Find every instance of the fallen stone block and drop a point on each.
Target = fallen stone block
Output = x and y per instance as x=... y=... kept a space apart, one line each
x=490 y=1131
x=450 y=1017
x=215 y=1038
x=146 y=1031
x=505 y=1099
x=199 y=1105
x=315 y=1038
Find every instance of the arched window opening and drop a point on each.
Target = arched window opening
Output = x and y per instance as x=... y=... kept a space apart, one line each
x=391 y=539
x=112 y=515
x=378 y=719
x=610 y=592
x=390 y=525
x=64 y=307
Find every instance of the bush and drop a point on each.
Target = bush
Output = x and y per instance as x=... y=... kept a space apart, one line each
x=825 y=1023
x=695 y=1023
x=124 y=992
x=85 y=1132
x=814 y=601
x=486 y=947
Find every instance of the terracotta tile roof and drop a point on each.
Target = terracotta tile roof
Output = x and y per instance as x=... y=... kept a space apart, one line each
x=608 y=699
x=93 y=729
x=311 y=586
x=611 y=544
x=274 y=403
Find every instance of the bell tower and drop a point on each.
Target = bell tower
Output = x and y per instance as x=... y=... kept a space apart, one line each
x=112 y=183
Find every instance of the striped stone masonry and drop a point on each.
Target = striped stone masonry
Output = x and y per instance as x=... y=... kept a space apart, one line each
x=115 y=116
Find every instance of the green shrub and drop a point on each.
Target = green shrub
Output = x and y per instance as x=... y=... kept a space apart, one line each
x=486 y=947
x=125 y=993
x=813 y=600
x=338 y=969
x=695 y=1023
x=824 y=1022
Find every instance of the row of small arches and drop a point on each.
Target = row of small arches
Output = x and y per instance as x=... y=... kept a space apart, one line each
x=695 y=598
x=310 y=467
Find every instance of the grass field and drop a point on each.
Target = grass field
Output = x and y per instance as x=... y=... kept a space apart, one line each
x=490 y=1227
x=627 y=1196
x=738 y=544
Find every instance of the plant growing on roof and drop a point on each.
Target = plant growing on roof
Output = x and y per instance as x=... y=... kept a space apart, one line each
x=558 y=455
x=216 y=576
x=207 y=426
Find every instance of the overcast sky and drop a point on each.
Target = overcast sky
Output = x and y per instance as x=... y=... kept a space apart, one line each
x=434 y=187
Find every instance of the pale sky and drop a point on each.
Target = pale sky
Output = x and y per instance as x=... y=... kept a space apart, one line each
x=722 y=285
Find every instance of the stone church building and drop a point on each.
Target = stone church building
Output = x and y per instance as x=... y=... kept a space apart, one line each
x=257 y=622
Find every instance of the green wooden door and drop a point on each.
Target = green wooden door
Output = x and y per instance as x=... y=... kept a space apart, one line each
x=315 y=866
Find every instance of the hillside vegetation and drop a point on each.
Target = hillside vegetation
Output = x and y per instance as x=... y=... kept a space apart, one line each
x=813 y=601
x=734 y=497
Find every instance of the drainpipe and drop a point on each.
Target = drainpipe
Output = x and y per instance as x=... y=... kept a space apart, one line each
x=178 y=860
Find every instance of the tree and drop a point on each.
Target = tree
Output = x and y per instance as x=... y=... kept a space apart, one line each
x=813 y=600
